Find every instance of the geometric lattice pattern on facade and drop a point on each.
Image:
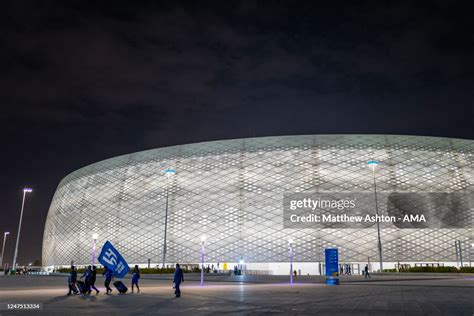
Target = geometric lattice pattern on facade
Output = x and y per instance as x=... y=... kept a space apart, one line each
x=231 y=191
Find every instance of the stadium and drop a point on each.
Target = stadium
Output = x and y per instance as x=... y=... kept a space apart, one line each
x=157 y=206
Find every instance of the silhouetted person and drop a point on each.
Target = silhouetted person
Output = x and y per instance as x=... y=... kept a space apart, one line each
x=72 y=279
x=177 y=279
x=93 y=279
x=366 y=272
x=135 y=278
x=87 y=279
x=108 y=274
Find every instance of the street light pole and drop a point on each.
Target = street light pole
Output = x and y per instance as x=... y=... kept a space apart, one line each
x=373 y=164
x=203 y=240
x=290 y=244
x=25 y=190
x=94 y=237
x=472 y=254
x=169 y=173
x=3 y=248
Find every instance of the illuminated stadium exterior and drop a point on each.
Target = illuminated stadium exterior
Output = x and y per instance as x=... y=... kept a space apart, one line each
x=232 y=192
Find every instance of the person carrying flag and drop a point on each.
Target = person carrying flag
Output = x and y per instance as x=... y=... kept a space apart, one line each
x=109 y=274
x=93 y=279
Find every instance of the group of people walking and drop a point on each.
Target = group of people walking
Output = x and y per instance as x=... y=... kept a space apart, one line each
x=345 y=269
x=90 y=277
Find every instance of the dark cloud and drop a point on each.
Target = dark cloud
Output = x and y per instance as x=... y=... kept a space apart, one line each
x=84 y=81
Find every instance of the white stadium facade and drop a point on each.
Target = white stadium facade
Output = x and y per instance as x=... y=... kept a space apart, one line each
x=232 y=192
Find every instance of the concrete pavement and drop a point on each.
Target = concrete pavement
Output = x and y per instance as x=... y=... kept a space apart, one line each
x=382 y=295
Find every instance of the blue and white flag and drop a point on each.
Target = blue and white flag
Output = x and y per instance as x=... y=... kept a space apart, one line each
x=111 y=258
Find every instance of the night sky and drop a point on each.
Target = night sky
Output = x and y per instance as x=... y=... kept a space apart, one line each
x=85 y=81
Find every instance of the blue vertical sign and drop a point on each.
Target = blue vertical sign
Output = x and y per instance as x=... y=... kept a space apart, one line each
x=332 y=265
x=111 y=258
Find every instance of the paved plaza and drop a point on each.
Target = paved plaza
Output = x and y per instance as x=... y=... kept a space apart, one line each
x=382 y=295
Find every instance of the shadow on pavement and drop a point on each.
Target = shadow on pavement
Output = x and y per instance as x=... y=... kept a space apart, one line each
x=57 y=299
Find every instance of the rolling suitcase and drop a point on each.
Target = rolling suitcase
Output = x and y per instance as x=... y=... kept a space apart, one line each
x=82 y=287
x=120 y=287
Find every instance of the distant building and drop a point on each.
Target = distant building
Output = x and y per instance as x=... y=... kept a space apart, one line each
x=232 y=192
